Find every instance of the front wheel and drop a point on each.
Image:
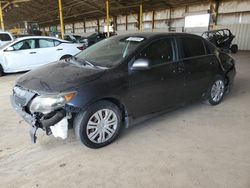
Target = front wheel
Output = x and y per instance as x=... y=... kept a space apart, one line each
x=99 y=125
x=216 y=91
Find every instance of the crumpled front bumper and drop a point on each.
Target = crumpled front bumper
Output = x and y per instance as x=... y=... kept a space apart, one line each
x=38 y=120
x=27 y=117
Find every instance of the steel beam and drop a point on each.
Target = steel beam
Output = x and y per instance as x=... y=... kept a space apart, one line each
x=140 y=16
x=153 y=20
x=61 y=18
x=1 y=17
x=107 y=17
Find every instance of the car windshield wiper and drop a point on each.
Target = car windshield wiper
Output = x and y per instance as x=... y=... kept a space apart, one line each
x=89 y=63
x=83 y=61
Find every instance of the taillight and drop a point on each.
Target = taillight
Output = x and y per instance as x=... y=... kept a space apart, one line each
x=81 y=47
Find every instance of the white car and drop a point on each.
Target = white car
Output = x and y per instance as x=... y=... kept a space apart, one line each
x=27 y=53
x=5 y=37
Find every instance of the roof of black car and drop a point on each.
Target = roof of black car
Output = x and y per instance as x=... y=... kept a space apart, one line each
x=156 y=34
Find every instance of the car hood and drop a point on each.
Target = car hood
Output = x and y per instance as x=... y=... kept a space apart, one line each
x=60 y=76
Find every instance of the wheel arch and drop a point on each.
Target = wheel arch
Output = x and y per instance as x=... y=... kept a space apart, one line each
x=65 y=56
x=119 y=104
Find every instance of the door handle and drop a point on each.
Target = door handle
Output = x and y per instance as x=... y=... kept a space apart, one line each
x=59 y=49
x=32 y=52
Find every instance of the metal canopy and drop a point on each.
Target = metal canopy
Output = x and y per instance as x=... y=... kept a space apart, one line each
x=46 y=12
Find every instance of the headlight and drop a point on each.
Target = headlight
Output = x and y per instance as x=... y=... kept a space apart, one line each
x=48 y=103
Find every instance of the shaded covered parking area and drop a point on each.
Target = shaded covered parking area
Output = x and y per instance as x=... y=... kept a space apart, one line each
x=194 y=146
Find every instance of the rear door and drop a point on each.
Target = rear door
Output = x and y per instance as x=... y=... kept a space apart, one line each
x=200 y=67
x=161 y=86
x=49 y=51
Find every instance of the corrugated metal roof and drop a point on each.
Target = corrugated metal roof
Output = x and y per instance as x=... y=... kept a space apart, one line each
x=46 y=11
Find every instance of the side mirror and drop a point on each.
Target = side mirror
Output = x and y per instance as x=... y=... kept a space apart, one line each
x=10 y=49
x=141 y=64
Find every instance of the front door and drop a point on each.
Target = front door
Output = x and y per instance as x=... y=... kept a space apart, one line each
x=161 y=86
x=23 y=57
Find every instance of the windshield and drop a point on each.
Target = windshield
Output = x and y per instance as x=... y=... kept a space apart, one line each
x=111 y=51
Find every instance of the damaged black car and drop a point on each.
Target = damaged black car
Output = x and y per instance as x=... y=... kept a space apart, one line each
x=118 y=82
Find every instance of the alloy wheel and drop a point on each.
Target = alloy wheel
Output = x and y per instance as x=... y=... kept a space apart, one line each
x=217 y=90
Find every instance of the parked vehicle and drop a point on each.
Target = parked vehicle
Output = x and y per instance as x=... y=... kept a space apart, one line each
x=27 y=53
x=94 y=38
x=23 y=35
x=72 y=38
x=5 y=37
x=120 y=80
x=222 y=38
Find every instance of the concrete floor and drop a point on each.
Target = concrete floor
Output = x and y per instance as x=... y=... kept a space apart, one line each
x=196 y=146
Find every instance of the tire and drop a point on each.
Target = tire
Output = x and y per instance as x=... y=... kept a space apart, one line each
x=234 y=48
x=1 y=71
x=96 y=135
x=216 y=91
x=65 y=57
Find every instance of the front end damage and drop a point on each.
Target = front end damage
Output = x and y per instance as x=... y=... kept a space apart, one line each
x=47 y=112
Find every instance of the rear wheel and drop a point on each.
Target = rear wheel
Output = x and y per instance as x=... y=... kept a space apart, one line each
x=99 y=125
x=234 y=48
x=216 y=91
x=1 y=71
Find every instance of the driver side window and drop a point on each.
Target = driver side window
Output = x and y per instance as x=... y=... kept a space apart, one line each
x=159 y=52
x=25 y=45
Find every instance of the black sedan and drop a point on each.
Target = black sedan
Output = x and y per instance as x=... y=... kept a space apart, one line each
x=119 y=81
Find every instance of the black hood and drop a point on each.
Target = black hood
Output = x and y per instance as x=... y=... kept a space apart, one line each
x=60 y=76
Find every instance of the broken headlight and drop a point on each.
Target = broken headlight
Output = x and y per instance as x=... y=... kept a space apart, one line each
x=48 y=103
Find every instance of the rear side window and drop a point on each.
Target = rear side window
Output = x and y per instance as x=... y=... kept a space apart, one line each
x=192 y=47
x=56 y=42
x=158 y=52
x=46 y=43
x=4 y=37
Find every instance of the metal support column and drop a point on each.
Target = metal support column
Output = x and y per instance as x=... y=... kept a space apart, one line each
x=1 y=17
x=73 y=27
x=140 y=19
x=126 y=23
x=98 y=25
x=61 y=18
x=107 y=17
x=153 y=20
x=170 y=20
x=84 y=25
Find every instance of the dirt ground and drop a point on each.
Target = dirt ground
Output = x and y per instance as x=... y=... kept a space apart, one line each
x=195 y=146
